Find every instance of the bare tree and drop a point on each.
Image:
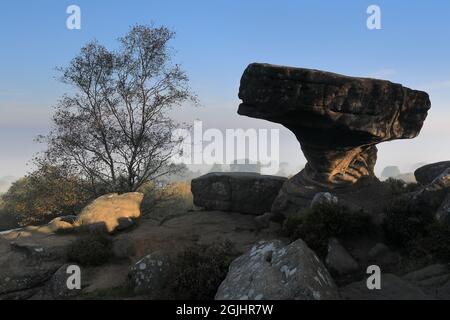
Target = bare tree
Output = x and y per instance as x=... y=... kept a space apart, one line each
x=114 y=129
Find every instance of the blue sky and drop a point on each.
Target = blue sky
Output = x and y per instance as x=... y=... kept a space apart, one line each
x=215 y=41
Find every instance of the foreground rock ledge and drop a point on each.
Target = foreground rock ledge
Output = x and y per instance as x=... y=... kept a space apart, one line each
x=337 y=119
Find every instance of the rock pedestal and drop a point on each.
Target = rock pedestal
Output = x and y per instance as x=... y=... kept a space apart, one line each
x=337 y=119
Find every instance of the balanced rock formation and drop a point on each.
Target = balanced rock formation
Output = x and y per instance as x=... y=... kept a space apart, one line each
x=337 y=119
x=249 y=193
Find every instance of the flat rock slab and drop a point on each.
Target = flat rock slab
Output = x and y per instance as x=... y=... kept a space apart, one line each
x=373 y=110
x=249 y=193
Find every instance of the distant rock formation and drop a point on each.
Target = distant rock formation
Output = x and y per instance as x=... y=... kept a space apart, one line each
x=390 y=172
x=337 y=119
x=244 y=192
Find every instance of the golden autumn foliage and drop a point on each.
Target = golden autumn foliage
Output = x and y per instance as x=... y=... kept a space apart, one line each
x=43 y=195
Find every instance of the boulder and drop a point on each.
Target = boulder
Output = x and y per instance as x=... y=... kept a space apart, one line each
x=338 y=260
x=151 y=274
x=337 y=119
x=434 y=194
x=426 y=174
x=323 y=197
x=111 y=211
x=392 y=288
x=23 y=269
x=249 y=193
x=272 y=270
x=56 y=287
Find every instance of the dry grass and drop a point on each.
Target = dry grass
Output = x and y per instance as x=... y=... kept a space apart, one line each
x=171 y=200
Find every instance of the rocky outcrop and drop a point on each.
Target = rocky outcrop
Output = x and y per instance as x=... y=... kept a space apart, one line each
x=32 y=259
x=111 y=212
x=250 y=193
x=337 y=119
x=56 y=288
x=322 y=198
x=426 y=174
x=272 y=270
x=441 y=182
x=435 y=194
x=26 y=265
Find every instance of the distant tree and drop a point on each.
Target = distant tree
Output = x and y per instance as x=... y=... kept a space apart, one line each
x=114 y=130
x=44 y=194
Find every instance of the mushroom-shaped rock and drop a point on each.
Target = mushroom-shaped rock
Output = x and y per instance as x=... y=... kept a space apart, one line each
x=337 y=119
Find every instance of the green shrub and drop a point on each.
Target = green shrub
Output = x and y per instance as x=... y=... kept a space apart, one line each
x=317 y=225
x=91 y=249
x=199 y=270
x=404 y=221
